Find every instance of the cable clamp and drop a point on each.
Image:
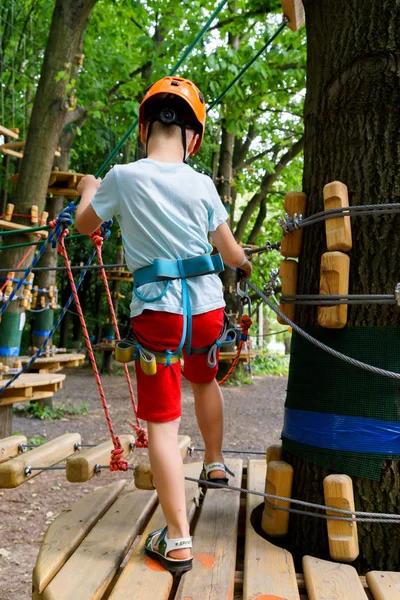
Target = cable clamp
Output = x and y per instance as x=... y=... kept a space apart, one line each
x=272 y=283
x=397 y=294
x=289 y=223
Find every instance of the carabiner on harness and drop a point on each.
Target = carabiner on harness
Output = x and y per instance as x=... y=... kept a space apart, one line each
x=243 y=294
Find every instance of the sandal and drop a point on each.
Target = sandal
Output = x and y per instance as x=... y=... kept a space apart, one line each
x=165 y=545
x=215 y=466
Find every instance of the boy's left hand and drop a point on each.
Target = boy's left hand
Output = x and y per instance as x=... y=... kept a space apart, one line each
x=88 y=182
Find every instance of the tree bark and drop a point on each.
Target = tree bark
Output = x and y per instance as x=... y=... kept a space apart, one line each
x=352 y=113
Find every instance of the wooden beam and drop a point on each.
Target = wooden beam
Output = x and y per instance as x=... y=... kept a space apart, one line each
x=268 y=570
x=288 y=275
x=334 y=279
x=294 y=11
x=274 y=453
x=80 y=467
x=384 y=585
x=338 y=230
x=67 y=531
x=94 y=563
x=342 y=535
x=143 y=573
x=12 y=472
x=279 y=482
x=9 y=447
x=9 y=132
x=325 y=579
x=291 y=244
x=9 y=152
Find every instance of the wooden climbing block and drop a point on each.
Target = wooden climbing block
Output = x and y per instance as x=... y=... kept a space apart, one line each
x=334 y=279
x=342 y=535
x=214 y=541
x=268 y=570
x=338 y=230
x=80 y=467
x=9 y=447
x=118 y=275
x=274 y=453
x=10 y=225
x=384 y=585
x=67 y=531
x=325 y=579
x=142 y=572
x=143 y=475
x=12 y=472
x=31 y=387
x=294 y=11
x=288 y=274
x=94 y=563
x=291 y=244
x=279 y=482
x=11 y=133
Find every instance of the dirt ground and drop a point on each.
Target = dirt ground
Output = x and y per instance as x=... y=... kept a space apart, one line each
x=253 y=417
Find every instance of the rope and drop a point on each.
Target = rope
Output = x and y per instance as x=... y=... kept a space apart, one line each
x=118 y=463
x=12 y=246
x=141 y=433
x=23 y=259
x=245 y=324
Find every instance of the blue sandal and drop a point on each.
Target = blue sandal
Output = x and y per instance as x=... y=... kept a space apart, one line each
x=165 y=545
x=215 y=466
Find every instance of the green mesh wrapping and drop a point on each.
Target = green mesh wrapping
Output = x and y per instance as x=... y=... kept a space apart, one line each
x=322 y=383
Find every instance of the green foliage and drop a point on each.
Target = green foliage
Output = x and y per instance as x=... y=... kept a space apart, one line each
x=35 y=411
x=271 y=364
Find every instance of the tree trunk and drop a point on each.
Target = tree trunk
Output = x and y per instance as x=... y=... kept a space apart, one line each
x=351 y=134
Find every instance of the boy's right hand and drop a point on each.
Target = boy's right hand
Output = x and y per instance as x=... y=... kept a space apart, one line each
x=246 y=268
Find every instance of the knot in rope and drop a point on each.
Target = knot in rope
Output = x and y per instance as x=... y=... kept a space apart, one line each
x=97 y=237
x=61 y=223
x=245 y=324
x=141 y=436
x=118 y=463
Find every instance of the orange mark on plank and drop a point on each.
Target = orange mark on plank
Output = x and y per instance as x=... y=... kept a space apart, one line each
x=152 y=564
x=207 y=560
x=265 y=597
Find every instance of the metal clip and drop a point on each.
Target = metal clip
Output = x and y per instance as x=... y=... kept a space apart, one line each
x=272 y=283
x=244 y=297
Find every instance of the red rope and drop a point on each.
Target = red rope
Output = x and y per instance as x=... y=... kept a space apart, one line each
x=245 y=324
x=31 y=249
x=141 y=433
x=117 y=463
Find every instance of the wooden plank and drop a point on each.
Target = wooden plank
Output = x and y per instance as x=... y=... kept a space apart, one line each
x=67 y=192
x=68 y=530
x=35 y=380
x=268 y=570
x=384 y=585
x=9 y=152
x=274 y=453
x=338 y=230
x=12 y=472
x=279 y=482
x=291 y=244
x=33 y=397
x=294 y=11
x=325 y=579
x=288 y=274
x=214 y=545
x=334 y=279
x=11 y=226
x=93 y=565
x=81 y=466
x=8 y=132
x=342 y=535
x=143 y=475
x=142 y=575
x=9 y=447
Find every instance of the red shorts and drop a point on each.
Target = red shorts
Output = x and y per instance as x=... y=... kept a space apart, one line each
x=159 y=395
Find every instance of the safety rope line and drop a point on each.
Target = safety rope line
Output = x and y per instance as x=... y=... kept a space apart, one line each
x=117 y=463
x=334 y=299
x=23 y=259
x=245 y=324
x=98 y=238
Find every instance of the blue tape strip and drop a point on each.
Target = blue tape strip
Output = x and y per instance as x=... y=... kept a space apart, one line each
x=108 y=337
x=13 y=351
x=41 y=333
x=342 y=432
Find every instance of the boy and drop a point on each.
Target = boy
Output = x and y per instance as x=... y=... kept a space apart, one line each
x=165 y=210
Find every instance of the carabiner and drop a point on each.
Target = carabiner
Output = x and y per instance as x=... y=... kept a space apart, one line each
x=243 y=295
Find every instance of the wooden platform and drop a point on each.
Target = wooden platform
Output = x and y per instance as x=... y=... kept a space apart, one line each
x=54 y=363
x=61 y=183
x=229 y=356
x=31 y=387
x=96 y=546
x=10 y=225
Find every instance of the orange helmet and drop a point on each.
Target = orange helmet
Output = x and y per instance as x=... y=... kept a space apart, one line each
x=181 y=88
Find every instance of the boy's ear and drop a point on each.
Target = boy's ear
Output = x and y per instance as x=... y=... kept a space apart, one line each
x=193 y=143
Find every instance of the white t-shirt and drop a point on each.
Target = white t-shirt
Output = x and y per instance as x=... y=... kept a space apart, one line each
x=164 y=210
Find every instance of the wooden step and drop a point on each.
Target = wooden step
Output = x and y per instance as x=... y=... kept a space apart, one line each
x=325 y=579
x=268 y=569
x=384 y=585
x=89 y=571
x=214 y=544
x=143 y=574
x=68 y=530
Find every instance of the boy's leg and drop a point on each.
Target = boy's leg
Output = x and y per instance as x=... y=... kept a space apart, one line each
x=209 y=407
x=167 y=468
